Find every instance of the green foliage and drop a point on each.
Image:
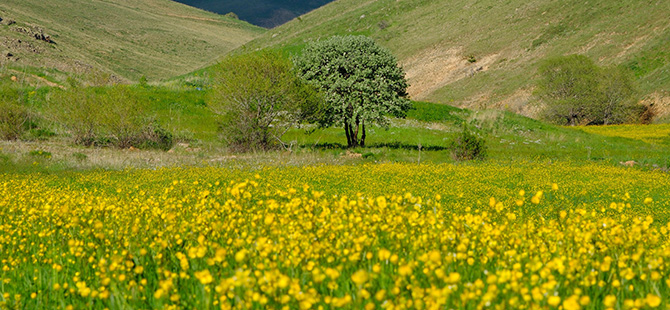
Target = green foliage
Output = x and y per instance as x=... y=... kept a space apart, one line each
x=107 y=115
x=143 y=81
x=14 y=115
x=618 y=98
x=361 y=81
x=468 y=146
x=259 y=97
x=578 y=92
x=156 y=137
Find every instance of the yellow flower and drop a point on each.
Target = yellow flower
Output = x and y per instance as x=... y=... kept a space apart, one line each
x=204 y=276
x=653 y=300
x=571 y=304
x=384 y=254
x=554 y=301
x=360 y=277
x=240 y=256
x=609 y=301
x=405 y=270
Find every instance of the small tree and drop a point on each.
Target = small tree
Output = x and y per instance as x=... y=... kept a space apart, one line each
x=467 y=146
x=259 y=98
x=578 y=92
x=361 y=81
x=618 y=96
x=568 y=84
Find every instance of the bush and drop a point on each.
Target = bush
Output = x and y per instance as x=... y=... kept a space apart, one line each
x=156 y=137
x=14 y=116
x=578 y=92
x=259 y=97
x=100 y=116
x=13 y=120
x=467 y=146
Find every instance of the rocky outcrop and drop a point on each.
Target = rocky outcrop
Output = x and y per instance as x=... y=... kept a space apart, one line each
x=35 y=32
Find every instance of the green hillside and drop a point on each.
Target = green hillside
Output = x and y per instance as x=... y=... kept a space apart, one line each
x=484 y=54
x=128 y=39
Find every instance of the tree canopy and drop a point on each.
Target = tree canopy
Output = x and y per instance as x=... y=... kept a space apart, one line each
x=259 y=97
x=361 y=82
x=579 y=92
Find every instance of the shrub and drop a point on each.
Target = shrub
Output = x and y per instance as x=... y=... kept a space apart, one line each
x=13 y=120
x=14 y=116
x=647 y=114
x=468 y=146
x=259 y=97
x=156 y=137
x=108 y=116
x=578 y=92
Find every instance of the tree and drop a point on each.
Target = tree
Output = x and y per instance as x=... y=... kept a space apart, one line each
x=618 y=98
x=568 y=84
x=361 y=82
x=259 y=97
x=578 y=92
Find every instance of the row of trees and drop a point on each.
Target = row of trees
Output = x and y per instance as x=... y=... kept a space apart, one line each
x=347 y=81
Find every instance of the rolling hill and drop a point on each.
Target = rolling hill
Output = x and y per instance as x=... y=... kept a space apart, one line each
x=484 y=54
x=51 y=40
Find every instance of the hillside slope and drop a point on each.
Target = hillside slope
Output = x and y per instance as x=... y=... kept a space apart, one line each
x=129 y=39
x=484 y=53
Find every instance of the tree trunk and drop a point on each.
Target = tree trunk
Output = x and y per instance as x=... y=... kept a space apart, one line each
x=356 y=132
x=363 y=134
x=346 y=131
x=354 y=138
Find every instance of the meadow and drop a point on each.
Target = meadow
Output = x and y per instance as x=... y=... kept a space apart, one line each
x=500 y=235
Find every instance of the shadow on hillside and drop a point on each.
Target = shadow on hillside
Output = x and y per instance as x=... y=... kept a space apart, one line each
x=390 y=145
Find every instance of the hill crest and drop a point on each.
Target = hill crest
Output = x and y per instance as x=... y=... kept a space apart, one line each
x=128 y=39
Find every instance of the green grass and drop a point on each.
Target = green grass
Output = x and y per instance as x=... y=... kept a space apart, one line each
x=129 y=39
x=426 y=135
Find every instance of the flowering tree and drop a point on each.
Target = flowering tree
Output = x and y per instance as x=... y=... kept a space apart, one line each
x=361 y=82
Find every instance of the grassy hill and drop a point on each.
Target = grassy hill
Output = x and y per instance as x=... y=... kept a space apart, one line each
x=484 y=54
x=50 y=40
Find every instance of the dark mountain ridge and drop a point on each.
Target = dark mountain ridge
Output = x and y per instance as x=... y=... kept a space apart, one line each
x=264 y=13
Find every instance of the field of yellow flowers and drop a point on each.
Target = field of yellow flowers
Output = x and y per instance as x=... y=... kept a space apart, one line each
x=654 y=134
x=528 y=235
